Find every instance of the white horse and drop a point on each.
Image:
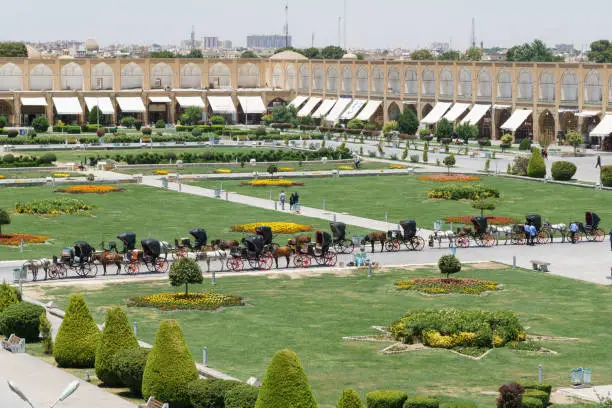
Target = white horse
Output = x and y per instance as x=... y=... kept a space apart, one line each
x=504 y=230
x=439 y=236
x=208 y=256
x=33 y=265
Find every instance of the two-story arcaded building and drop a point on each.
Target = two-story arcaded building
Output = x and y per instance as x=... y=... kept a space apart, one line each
x=530 y=99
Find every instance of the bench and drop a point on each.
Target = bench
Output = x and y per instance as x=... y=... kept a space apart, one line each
x=540 y=266
x=153 y=403
x=14 y=344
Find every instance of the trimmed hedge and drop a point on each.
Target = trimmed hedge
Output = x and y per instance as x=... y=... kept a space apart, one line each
x=349 y=399
x=421 y=402
x=606 y=175
x=116 y=336
x=128 y=365
x=78 y=336
x=530 y=402
x=170 y=366
x=205 y=393
x=386 y=399
x=547 y=388
x=563 y=171
x=8 y=296
x=541 y=395
x=458 y=405
x=536 y=167
x=241 y=396
x=285 y=384
x=525 y=144
x=21 y=319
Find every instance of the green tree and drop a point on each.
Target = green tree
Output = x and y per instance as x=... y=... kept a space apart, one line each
x=421 y=55
x=78 y=336
x=425 y=152
x=162 y=54
x=170 y=366
x=536 y=51
x=311 y=53
x=217 y=120
x=349 y=399
x=466 y=131
x=8 y=296
x=450 y=55
x=449 y=265
x=601 y=51
x=40 y=124
x=536 y=167
x=284 y=114
x=185 y=271
x=483 y=205
x=408 y=122
x=574 y=139
x=279 y=50
x=13 y=49
x=95 y=116
x=249 y=54
x=191 y=116
x=116 y=336
x=449 y=161
x=506 y=141
x=332 y=52
x=129 y=365
x=193 y=54
x=274 y=169
x=285 y=384
x=3 y=121
x=44 y=328
x=5 y=219
x=473 y=54
x=128 y=121
x=444 y=129
x=241 y=396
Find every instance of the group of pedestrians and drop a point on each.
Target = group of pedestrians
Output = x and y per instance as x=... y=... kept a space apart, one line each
x=294 y=200
x=530 y=233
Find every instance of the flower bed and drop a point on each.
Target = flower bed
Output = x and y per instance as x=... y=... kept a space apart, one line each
x=346 y=168
x=1 y=176
x=463 y=192
x=286 y=169
x=272 y=182
x=15 y=239
x=161 y=172
x=397 y=166
x=53 y=207
x=61 y=175
x=223 y=171
x=89 y=189
x=439 y=286
x=178 y=301
x=445 y=178
x=492 y=220
x=277 y=227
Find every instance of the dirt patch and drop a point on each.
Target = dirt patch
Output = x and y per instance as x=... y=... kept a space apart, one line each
x=486 y=266
x=536 y=337
x=558 y=397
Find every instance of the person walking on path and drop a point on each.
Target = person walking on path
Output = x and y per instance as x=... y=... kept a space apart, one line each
x=291 y=201
x=598 y=164
x=610 y=240
x=527 y=232
x=573 y=230
x=296 y=198
x=532 y=234
x=281 y=198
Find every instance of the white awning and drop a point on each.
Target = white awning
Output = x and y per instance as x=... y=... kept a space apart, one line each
x=563 y=110
x=369 y=110
x=604 y=128
x=104 y=103
x=516 y=120
x=324 y=108
x=67 y=106
x=353 y=109
x=410 y=103
x=33 y=101
x=456 y=111
x=222 y=104
x=298 y=101
x=131 y=104
x=252 y=105
x=190 y=101
x=501 y=107
x=310 y=105
x=477 y=113
x=338 y=109
x=160 y=99
x=436 y=113
x=588 y=114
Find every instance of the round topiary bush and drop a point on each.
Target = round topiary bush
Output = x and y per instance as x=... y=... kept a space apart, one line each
x=349 y=399
x=421 y=402
x=8 y=158
x=484 y=142
x=241 y=396
x=170 y=366
x=147 y=131
x=128 y=366
x=205 y=393
x=48 y=158
x=78 y=336
x=100 y=132
x=536 y=167
x=449 y=264
x=606 y=175
x=116 y=336
x=533 y=393
x=510 y=396
x=22 y=320
x=285 y=384
x=196 y=132
x=160 y=124
x=12 y=133
x=386 y=399
x=563 y=171
x=8 y=294
x=525 y=144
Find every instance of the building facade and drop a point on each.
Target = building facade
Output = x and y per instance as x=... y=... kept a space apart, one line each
x=553 y=97
x=268 y=41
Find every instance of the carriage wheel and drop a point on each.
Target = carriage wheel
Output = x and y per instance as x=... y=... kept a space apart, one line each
x=266 y=261
x=91 y=270
x=543 y=238
x=179 y=253
x=133 y=268
x=253 y=263
x=161 y=265
x=331 y=258
x=463 y=241
x=235 y=264
x=599 y=235
x=345 y=246
x=392 y=245
x=57 y=271
x=488 y=240
x=302 y=261
x=518 y=239
x=418 y=244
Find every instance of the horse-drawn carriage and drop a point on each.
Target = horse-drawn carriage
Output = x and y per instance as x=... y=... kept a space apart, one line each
x=181 y=249
x=340 y=243
x=78 y=259
x=266 y=233
x=407 y=236
x=589 y=229
x=151 y=255
x=320 y=251
x=543 y=233
x=253 y=251
x=480 y=234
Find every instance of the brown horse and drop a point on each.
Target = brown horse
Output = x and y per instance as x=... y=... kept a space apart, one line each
x=109 y=258
x=299 y=240
x=375 y=237
x=223 y=244
x=284 y=251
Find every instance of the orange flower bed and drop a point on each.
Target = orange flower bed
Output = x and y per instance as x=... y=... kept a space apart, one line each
x=492 y=220
x=90 y=190
x=15 y=239
x=445 y=178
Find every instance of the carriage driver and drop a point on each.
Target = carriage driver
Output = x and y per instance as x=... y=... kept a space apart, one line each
x=573 y=230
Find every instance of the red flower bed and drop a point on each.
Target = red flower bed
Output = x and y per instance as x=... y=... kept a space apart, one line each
x=492 y=220
x=15 y=239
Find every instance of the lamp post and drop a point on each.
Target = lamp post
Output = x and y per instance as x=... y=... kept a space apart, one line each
x=68 y=391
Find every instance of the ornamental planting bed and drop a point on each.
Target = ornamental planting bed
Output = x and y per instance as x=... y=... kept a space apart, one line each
x=52 y=207
x=277 y=227
x=208 y=300
x=439 y=286
x=446 y=178
x=15 y=239
x=90 y=189
x=272 y=182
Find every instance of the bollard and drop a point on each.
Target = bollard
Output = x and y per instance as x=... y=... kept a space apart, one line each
x=205 y=356
x=370 y=269
x=135 y=325
x=226 y=196
x=214 y=278
x=324 y=206
x=386 y=217
x=270 y=195
x=20 y=282
x=275 y=206
x=514 y=262
x=21 y=246
x=540 y=373
x=334 y=217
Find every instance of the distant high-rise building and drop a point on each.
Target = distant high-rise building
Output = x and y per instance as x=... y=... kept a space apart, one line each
x=268 y=41
x=226 y=45
x=210 y=43
x=564 y=48
x=440 y=47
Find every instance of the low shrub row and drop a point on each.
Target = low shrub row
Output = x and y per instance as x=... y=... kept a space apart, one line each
x=463 y=192
x=10 y=161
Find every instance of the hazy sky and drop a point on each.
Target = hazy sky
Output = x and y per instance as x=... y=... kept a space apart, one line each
x=371 y=23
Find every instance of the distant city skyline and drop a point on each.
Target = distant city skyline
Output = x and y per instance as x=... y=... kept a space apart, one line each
x=371 y=25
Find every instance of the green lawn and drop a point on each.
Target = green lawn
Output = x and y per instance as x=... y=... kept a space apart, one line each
x=148 y=211
x=312 y=314
x=35 y=174
x=406 y=197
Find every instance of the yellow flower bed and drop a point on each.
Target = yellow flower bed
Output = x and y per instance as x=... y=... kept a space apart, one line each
x=1 y=176
x=397 y=166
x=286 y=169
x=61 y=175
x=208 y=300
x=273 y=182
x=277 y=227
x=223 y=171
x=161 y=172
x=433 y=338
x=90 y=190
x=345 y=168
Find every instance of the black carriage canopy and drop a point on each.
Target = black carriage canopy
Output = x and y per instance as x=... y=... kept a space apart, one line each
x=535 y=220
x=323 y=239
x=338 y=229
x=254 y=243
x=151 y=247
x=409 y=227
x=592 y=219
x=82 y=249
x=200 y=236
x=480 y=224
x=128 y=239
x=266 y=233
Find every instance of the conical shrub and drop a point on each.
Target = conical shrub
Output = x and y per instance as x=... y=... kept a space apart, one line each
x=536 y=167
x=116 y=336
x=349 y=399
x=285 y=384
x=78 y=336
x=170 y=366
